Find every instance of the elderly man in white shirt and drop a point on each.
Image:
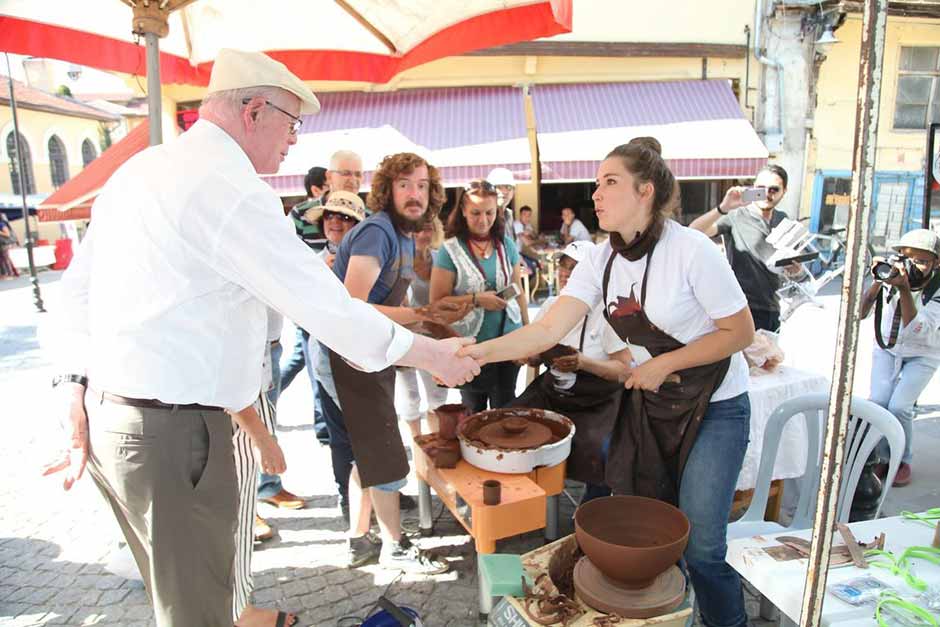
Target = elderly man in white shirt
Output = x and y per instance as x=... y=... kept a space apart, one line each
x=164 y=312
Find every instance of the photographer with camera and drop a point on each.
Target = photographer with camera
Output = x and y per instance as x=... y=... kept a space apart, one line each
x=907 y=331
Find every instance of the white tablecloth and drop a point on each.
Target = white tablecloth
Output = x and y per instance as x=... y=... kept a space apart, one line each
x=767 y=392
x=782 y=582
x=42 y=256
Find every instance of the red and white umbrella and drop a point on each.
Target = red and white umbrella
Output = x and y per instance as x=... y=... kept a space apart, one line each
x=341 y=40
x=334 y=40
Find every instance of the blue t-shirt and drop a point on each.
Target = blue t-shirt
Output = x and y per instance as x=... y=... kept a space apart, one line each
x=376 y=237
x=491 y=319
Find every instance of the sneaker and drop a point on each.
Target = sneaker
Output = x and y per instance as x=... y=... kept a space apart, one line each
x=903 y=477
x=406 y=503
x=406 y=557
x=362 y=550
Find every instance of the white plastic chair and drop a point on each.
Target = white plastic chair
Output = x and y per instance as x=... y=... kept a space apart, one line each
x=869 y=423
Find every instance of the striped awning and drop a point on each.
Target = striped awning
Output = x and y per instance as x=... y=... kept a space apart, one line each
x=74 y=199
x=463 y=131
x=700 y=125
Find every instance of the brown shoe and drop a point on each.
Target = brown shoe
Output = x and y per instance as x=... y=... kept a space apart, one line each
x=286 y=500
x=903 y=477
x=263 y=530
x=881 y=471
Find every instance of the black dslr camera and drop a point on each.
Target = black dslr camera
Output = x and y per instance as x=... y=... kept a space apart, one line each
x=886 y=270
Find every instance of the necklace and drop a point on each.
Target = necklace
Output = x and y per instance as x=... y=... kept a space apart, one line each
x=481 y=250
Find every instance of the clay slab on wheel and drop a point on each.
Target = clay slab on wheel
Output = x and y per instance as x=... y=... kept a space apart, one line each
x=663 y=595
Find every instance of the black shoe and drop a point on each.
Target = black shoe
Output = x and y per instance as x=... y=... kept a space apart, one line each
x=362 y=550
x=406 y=503
x=406 y=557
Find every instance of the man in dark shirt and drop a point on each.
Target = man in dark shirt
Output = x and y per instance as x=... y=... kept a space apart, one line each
x=745 y=228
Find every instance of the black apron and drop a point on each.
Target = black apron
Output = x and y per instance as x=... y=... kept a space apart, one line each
x=655 y=431
x=368 y=405
x=591 y=403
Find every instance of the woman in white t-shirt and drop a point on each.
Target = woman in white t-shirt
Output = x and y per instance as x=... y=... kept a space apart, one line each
x=682 y=430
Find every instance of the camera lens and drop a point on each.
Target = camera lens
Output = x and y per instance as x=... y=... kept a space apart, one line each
x=884 y=271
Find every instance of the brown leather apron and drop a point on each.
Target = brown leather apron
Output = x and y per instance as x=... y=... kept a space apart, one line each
x=655 y=431
x=592 y=403
x=367 y=400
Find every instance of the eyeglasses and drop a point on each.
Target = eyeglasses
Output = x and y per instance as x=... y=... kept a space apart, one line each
x=481 y=185
x=297 y=121
x=773 y=189
x=354 y=173
x=339 y=216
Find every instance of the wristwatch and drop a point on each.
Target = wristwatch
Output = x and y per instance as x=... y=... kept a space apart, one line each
x=70 y=378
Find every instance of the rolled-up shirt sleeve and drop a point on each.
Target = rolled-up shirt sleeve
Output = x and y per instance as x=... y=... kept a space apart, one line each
x=256 y=248
x=923 y=332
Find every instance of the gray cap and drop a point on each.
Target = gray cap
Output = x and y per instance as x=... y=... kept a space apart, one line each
x=921 y=239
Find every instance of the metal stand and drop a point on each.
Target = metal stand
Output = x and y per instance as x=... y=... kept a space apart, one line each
x=486 y=601
x=551 y=518
x=425 y=524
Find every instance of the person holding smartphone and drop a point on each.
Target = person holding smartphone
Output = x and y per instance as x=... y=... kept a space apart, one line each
x=745 y=220
x=479 y=263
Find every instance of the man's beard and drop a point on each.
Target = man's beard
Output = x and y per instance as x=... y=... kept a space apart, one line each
x=404 y=224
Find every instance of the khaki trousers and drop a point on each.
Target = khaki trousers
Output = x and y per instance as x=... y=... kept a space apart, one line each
x=169 y=477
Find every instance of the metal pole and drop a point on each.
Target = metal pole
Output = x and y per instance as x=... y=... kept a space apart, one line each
x=21 y=175
x=840 y=396
x=932 y=131
x=154 y=102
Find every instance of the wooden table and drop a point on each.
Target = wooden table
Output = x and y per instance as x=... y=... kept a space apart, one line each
x=528 y=501
x=782 y=582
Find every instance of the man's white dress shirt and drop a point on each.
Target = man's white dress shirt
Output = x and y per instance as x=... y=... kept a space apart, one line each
x=166 y=298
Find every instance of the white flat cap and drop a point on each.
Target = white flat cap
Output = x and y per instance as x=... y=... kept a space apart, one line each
x=237 y=69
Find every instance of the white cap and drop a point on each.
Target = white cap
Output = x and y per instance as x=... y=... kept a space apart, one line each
x=237 y=69
x=577 y=250
x=501 y=176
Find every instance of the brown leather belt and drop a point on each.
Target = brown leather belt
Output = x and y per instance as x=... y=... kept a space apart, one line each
x=145 y=403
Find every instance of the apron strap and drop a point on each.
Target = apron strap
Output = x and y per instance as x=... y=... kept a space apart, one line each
x=606 y=281
x=583 y=330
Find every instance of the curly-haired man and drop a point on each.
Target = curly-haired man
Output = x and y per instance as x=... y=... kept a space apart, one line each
x=375 y=261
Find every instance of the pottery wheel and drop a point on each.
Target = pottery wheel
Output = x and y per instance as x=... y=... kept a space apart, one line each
x=661 y=597
x=495 y=435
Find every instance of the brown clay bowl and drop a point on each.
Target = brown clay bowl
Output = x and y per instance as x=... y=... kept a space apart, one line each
x=631 y=539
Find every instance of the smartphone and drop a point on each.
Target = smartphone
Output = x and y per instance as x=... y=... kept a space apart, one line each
x=750 y=194
x=509 y=292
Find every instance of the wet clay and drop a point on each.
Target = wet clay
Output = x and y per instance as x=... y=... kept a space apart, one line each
x=631 y=539
x=664 y=594
x=556 y=351
x=442 y=453
x=512 y=429
x=436 y=330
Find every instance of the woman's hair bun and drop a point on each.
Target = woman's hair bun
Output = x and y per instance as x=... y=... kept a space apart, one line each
x=650 y=143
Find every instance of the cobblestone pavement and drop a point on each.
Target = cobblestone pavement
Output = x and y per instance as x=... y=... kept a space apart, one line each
x=56 y=548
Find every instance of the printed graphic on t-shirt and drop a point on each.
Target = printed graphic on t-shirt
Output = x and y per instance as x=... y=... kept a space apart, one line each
x=625 y=307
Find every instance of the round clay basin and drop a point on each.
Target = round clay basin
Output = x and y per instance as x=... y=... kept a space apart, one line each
x=631 y=539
